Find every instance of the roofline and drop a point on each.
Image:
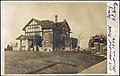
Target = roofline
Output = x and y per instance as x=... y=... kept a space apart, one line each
x=27 y=24
x=42 y=28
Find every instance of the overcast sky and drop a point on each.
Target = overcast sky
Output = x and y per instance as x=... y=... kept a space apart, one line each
x=87 y=19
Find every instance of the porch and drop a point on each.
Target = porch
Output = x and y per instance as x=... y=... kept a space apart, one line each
x=29 y=42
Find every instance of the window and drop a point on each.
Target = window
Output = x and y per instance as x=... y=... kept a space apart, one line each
x=48 y=30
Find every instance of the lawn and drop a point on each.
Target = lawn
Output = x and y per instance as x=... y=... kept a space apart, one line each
x=34 y=62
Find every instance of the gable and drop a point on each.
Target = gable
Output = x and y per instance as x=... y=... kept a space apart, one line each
x=31 y=22
x=43 y=24
x=63 y=25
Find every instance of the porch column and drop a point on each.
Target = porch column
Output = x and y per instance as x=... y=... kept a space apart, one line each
x=20 y=45
x=70 y=44
x=27 y=45
x=96 y=44
x=34 y=48
x=101 y=48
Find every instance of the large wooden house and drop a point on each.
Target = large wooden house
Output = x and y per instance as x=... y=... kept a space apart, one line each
x=47 y=35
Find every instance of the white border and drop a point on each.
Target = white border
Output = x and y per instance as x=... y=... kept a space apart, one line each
x=60 y=1
x=113 y=23
x=2 y=39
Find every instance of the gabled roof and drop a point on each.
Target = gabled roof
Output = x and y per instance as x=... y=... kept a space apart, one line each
x=49 y=24
x=23 y=37
x=43 y=23
x=63 y=24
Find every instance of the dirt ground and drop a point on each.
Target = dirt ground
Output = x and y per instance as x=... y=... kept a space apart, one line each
x=31 y=62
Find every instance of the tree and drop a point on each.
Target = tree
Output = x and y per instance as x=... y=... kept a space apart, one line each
x=9 y=48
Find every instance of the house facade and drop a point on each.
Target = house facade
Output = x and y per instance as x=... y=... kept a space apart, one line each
x=45 y=35
x=98 y=43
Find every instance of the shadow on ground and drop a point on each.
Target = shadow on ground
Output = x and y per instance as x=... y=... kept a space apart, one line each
x=31 y=62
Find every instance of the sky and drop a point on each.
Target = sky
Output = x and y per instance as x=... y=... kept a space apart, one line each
x=87 y=19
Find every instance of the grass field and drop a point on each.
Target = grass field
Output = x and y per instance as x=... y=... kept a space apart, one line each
x=31 y=62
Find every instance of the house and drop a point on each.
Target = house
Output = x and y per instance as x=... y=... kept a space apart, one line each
x=46 y=35
x=98 y=43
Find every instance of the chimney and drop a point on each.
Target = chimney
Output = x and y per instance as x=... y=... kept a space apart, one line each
x=56 y=18
x=64 y=20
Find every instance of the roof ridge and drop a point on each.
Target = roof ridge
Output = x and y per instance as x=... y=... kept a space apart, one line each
x=35 y=19
x=42 y=20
